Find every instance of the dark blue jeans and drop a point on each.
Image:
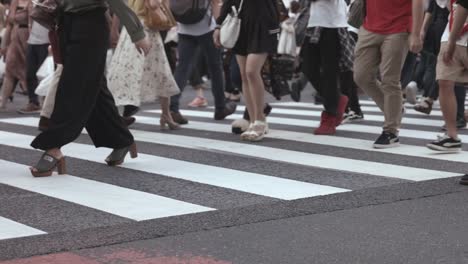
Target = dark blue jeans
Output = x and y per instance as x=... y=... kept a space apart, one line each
x=187 y=47
x=35 y=56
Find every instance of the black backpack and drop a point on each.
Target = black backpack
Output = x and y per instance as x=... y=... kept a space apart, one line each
x=189 y=11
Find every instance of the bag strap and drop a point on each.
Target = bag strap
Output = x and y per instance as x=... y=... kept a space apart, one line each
x=240 y=7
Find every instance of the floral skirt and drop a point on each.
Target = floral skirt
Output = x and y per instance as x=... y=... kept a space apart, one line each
x=135 y=79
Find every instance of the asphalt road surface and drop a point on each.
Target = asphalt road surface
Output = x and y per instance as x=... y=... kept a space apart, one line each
x=201 y=195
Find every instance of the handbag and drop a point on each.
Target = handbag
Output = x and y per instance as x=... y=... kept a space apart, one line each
x=230 y=29
x=357 y=13
x=159 y=19
x=45 y=13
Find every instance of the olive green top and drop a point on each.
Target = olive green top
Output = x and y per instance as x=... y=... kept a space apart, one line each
x=119 y=7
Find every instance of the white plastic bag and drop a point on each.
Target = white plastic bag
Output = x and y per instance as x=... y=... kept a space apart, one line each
x=46 y=69
x=51 y=80
x=287 y=41
x=172 y=36
x=2 y=67
x=49 y=102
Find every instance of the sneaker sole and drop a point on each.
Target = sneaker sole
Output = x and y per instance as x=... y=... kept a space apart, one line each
x=443 y=149
x=347 y=121
x=29 y=113
x=394 y=145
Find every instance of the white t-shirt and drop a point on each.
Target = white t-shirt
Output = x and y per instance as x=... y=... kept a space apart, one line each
x=329 y=14
x=462 y=41
x=207 y=24
x=39 y=35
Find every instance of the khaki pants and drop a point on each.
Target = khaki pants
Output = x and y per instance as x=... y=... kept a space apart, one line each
x=386 y=53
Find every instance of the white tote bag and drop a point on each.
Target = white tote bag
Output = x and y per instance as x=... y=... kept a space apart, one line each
x=230 y=29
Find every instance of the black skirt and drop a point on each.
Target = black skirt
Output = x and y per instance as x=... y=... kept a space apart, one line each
x=259 y=27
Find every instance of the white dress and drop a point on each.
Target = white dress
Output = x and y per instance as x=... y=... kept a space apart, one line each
x=134 y=79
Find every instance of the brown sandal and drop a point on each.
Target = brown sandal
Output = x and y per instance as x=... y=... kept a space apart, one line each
x=425 y=106
x=46 y=166
x=117 y=156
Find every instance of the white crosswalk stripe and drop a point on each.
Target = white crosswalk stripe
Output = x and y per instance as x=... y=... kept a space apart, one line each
x=371 y=109
x=105 y=197
x=316 y=112
x=11 y=229
x=295 y=157
x=410 y=133
x=138 y=204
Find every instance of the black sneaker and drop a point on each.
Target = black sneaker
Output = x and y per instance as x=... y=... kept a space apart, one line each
x=318 y=100
x=387 y=140
x=352 y=117
x=446 y=144
x=179 y=118
x=296 y=91
x=464 y=180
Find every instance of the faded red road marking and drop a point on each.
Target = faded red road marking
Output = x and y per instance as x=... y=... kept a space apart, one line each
x=61 y=258
x=121 y=256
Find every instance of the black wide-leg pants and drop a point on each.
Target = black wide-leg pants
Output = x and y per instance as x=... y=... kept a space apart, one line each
x=83 y=99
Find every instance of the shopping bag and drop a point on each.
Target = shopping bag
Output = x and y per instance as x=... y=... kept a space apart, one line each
x=287 y=41
x=50 y=81
x=46 y=69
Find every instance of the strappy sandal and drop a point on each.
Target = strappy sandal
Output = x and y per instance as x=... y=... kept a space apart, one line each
x=46 y=166
x=259 y=130
x=117 y=156
x=425 y=106
x=246 y=135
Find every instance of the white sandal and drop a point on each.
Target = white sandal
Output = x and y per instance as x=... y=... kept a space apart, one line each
x=259 y=130
x=247 y=134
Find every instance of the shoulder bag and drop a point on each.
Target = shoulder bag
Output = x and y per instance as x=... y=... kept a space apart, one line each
x=230 y=29
x=160 y=18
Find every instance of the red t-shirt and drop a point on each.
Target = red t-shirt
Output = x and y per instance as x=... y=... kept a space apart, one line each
x=388 y=16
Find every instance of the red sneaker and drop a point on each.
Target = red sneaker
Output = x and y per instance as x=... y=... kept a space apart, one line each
x=327 y=125
x=340 y=110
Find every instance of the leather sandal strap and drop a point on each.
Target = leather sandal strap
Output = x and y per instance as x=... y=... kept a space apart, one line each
x=117 y=154
x=46 y=163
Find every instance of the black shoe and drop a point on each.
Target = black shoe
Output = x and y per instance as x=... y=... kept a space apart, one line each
x=266 y=111
x=352 y=117
x=464 y=180
x=446 y=144
x=318 y=100
x=128 y=121
x=387 y=140
x=179 y=119
x=130 y=110
x=228 y=110
x=296 y=91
